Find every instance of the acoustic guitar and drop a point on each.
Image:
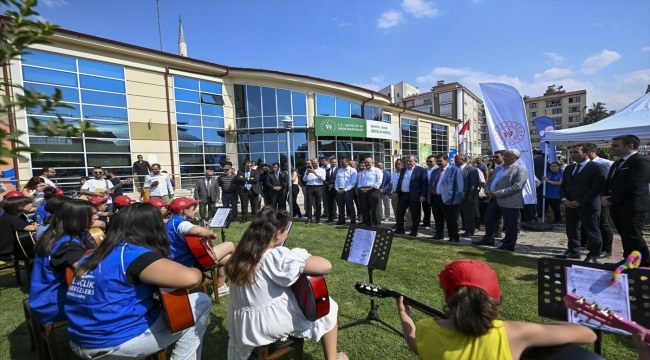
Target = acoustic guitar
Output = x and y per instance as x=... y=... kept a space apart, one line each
x=102 y=192
x=312 y=296
x=94 y=238
x=25 y=240
x=201 y=247
x=380 y=292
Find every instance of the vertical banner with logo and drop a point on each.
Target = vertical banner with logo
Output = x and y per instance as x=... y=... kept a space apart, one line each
x=424 y=154
x=545 y=125
x=508 y=128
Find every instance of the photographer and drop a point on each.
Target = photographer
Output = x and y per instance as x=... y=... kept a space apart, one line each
x=159 y=184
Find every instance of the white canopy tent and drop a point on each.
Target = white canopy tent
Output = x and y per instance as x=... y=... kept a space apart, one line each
x=633 y=119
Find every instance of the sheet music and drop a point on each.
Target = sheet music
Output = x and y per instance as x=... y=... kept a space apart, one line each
x=362 y=243
x=595 y=286
x=219 y=219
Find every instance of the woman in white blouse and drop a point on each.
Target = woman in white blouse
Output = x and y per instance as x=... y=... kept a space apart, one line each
x=262 y=308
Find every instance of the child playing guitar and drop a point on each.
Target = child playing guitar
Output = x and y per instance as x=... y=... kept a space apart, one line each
x=181 y=225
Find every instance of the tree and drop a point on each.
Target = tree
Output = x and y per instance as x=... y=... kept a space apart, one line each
x=18 y=31
x=595 y=114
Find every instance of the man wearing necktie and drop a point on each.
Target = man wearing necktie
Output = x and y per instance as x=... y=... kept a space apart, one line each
x=330 y=191
x=370 y=181
x=207 y=190
x=581 y=186
x=626 y=194
x=445 y=195
x=248 y=190
x=426 y=206
x=277 y=181
x=412 y=189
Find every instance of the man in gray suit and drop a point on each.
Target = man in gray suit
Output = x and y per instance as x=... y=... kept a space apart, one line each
x=504 y=190
x=207 y=190
x=470 y=193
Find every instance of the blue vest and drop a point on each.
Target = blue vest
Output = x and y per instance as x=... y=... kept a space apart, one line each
x=104 y=310
x=40 y=214
x=180 y=252
x=47 y=288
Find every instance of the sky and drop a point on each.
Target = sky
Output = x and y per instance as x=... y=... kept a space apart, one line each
x=600 y=46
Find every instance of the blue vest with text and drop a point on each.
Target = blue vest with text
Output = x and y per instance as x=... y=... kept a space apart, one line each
x=180 y=252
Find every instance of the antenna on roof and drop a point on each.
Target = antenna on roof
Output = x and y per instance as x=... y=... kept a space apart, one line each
x=159 y=30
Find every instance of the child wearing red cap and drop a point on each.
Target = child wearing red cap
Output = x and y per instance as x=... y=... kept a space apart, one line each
x=102 y=206
x=162 y=206
x=472 y=332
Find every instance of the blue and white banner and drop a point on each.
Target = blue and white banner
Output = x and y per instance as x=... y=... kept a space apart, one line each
x=545 y=125
x=508 y=128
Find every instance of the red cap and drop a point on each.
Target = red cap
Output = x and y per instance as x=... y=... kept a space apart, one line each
x=14 y=193
x=470 y=273
x=122 y=200
x=98 y=200
x=181 y=203
x=59 y=192
x=157 y=202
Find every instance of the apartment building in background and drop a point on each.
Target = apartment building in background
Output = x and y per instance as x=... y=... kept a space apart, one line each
x=565 y=108
x=454 y=101
x=399 y=91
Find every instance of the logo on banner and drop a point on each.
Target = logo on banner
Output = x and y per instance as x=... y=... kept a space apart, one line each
x=328 y=126
x=509 y=133
x=543 y=132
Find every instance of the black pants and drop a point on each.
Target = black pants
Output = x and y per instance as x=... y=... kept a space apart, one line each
x=314 y=198
x=555 y=206
x=445 y=213
x=588 y=219
x=469 y=215
x=528 y=213
x=356 y=201
x=370 y=202
x=606 y=232
x=540 y=197
x=493 y=223
x=278 y=199
x=330 y=194
x=426 y=214
x=404 y=202
x=295 y=190
x=629 y=224
x=209 y=206
x=346 y=201
x=246 y=197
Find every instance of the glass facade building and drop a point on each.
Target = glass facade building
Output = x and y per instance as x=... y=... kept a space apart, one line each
x=439 y=139
x=409 y=136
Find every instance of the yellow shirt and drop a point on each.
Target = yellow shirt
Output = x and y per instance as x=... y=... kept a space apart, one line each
x=435 y=342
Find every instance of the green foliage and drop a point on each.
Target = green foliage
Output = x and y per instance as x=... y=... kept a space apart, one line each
x=595 y=114
x=19 y=32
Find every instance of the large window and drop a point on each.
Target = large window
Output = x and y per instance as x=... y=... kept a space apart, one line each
x=261 y=136
x=573 y=109
x=372 y=113
x=439 y=139
x=445 y=110
x=410 y=141
x=332 y=106
x=353 y=148
x=445 y=98
x=96 y=92
x=199 y=124
x=575 y=99
x=532 y=106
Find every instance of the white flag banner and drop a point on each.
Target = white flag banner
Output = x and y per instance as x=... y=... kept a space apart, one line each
x=508 y=128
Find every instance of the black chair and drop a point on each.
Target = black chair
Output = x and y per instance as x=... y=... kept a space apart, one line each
x=562 y=352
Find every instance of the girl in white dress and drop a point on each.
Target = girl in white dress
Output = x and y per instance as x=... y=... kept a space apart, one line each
x=262 y=308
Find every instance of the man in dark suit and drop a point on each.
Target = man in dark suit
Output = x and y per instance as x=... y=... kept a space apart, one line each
x=248 y=189
x=426 y=206
x=277 y=182
x=412 y=189
x=626 y=194
x=540 y=171
x=582 y=183
x=330 y=191
x=445 y=194
x=470 y=193
x=207 y=190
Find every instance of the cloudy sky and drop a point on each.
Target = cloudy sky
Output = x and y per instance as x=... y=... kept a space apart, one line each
x=600 y=46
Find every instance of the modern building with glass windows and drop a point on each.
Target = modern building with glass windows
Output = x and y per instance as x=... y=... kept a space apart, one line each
x=188 y=114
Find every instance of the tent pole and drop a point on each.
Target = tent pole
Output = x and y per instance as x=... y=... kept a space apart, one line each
x=544 y=182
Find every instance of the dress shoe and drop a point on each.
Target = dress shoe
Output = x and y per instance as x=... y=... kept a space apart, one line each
x=483 y=242
x=399 y=232
x=394 y=226
x=243 y=220
x=505 y=248
x=407 y=228
x=591 y=259
x=329 y=220
x=468 y=234
x=340 y=223
x=436 y=237
x=414 y=234
x=454 y=240
x=498 y=235
x=568 y=254
x=604 y=254
x=308 y=222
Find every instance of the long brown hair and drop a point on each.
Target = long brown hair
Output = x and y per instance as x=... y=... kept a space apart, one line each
x=471 y=310
x=72 y=218
x=242 y=266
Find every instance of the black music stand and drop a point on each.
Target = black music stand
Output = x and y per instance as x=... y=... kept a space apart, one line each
x=552 y=288
x=221 y=220
x=378 y=260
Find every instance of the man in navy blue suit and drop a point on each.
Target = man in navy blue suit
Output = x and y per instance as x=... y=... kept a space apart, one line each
x=412 y=189
x=445 y=195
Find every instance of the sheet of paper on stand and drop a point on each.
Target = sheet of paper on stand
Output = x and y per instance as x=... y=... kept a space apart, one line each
x=361 y=248
x=219 y=219
x=595 y=286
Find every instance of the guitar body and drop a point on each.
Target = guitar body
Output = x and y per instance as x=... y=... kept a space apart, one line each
x=312 y=296
x=101 y=191
x=97 y=236
x=202 y=250
x=178 y=308
x=26 y=243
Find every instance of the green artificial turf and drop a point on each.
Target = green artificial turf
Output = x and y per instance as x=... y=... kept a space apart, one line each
x=411 y=269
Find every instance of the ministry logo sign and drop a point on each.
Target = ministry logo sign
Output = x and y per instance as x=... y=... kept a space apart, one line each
x=328 y=126
x=509 y=133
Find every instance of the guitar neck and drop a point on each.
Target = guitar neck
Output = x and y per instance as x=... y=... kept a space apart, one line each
x=420 y=306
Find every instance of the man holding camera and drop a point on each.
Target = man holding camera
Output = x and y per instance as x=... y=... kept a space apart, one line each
x=159 y=184
x=314 y=178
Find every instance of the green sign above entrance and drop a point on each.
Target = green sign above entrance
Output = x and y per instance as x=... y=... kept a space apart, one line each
x=339 y=126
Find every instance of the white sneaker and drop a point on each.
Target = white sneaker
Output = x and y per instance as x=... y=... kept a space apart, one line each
x=223 y=290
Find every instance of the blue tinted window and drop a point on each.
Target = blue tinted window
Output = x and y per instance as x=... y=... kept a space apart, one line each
x=355 y=110
x=299 y=103
x=101 y=69
x=299 y=121
x=271 y=146
x=255 y=123
x=191 y=159
x=211 y=99
x=48 y=144
x=186 y=133
x=64 y=112
x=104 y=146
x=109 y=160
x=184 y=119
x=211 y=87
x=104 y=113
x=44 y=119
x=257 y=137
x=102 y=98
x=49 y=76
x=186 y=95
x=69 y=94
x=284 y=102
x=324 y=105
x=214 y=122
x=44 y=59
x=268 y=102
x=214 y=135
x=257 y=147
x=300 y=136
x=96 y=83
x=188 y=108
x=212 y=110
x=186 y=83
x=254 y=100
x=342 y=108
x=109 y=129
x=190 y=147
x=272 y=136
x=270 y=122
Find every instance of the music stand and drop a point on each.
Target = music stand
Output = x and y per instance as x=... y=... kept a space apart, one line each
x=222 y=219
x=377 y=259
x=551 y=278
